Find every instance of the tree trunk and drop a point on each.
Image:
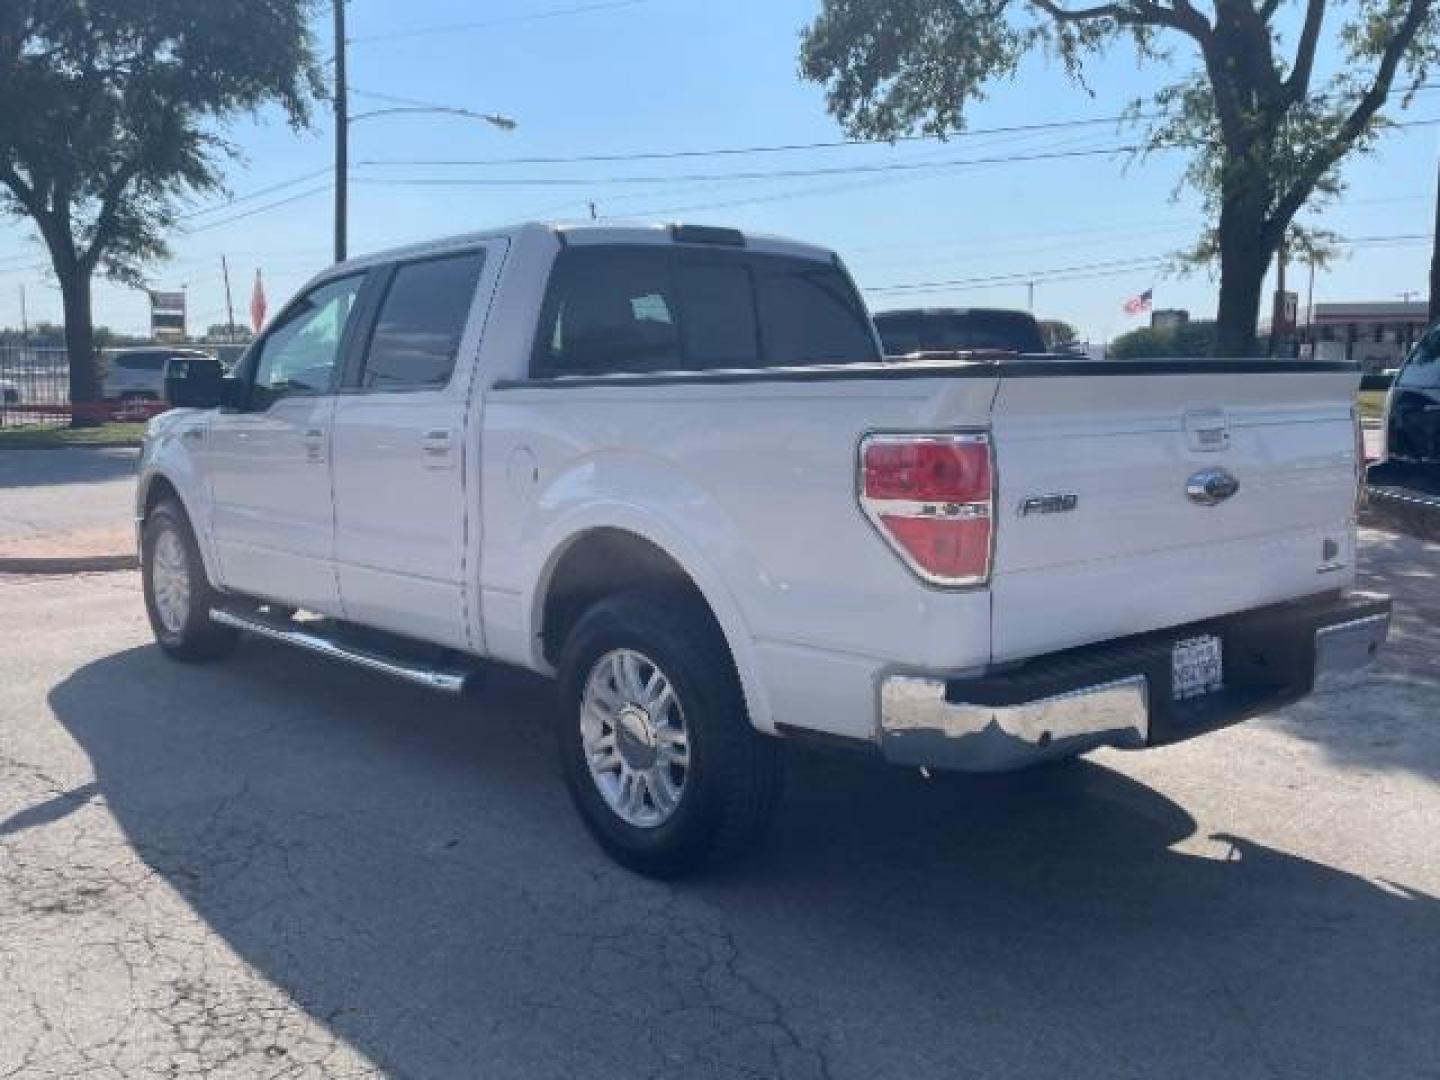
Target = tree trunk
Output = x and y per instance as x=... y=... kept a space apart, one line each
x=1244 y=258
x=80 y=344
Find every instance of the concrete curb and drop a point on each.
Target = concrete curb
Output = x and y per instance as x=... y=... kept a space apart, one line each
x=118 y=444
x=68 y=564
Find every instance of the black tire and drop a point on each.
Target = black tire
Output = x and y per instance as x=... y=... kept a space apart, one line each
x=195 y=637
x=733 y=780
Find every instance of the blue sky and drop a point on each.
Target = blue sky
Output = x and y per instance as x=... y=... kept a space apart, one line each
x=666 y=75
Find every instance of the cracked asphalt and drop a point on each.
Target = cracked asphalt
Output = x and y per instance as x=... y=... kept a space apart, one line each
x=277 y=867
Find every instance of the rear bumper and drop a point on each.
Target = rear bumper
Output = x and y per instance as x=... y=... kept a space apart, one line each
x=1119 y=693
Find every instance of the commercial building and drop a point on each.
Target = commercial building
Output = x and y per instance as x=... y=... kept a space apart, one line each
x=1374 y=334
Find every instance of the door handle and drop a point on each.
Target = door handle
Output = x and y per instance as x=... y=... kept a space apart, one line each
x=435 y=447
x=315 y=445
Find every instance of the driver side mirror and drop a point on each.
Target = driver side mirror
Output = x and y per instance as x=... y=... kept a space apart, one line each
x=194 y=382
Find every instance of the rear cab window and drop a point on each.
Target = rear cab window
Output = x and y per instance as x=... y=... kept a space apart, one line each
x=640 y=308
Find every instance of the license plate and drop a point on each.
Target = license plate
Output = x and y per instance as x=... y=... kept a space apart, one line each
x=1196 y=667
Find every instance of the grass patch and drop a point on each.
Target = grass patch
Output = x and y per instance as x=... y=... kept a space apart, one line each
x=27 y=437
x=1371 y=403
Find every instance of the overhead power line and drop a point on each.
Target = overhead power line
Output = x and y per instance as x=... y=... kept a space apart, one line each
x=773 y=174
x=226 y=204
x=1116 y=265
x=503 y=20
x=208 y=225
x=723 y=151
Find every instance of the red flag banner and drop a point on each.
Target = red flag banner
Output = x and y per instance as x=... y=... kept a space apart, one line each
x=257 y=303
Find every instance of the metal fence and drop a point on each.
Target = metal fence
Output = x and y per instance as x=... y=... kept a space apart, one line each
x=35 y=391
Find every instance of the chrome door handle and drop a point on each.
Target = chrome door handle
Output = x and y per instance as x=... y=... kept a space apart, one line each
x=315 y=445
x=435 y=447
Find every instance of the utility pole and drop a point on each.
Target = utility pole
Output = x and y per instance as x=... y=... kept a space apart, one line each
x=342 y=133
x=1030 y=285
x=594 y=213
x=229 y=307
x=24 y=318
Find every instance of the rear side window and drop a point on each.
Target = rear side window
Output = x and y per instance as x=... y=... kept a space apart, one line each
x=608 y=309
x=636 y=309
x=809 y=314
x=421 y=320
x=141 y=362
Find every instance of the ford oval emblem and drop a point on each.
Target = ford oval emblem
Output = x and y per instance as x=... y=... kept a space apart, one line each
x=1211 y=486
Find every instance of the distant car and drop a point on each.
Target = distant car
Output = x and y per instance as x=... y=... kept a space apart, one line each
x=1412 y=411
x=139 y=374
x=922 y=330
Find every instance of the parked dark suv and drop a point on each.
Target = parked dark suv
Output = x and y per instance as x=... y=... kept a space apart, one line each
x=1412 y=415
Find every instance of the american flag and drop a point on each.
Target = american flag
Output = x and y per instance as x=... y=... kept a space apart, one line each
x=1136 y=304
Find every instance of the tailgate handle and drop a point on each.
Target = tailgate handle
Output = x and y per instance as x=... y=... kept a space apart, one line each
x=1206 y=430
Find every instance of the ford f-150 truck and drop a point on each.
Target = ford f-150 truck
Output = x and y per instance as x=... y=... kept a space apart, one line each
x=670 y=467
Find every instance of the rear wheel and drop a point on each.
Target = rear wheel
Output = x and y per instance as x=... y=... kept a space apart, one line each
x=657 y=749
x=178 y=597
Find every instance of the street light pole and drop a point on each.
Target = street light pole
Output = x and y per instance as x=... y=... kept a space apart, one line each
x=342 y=134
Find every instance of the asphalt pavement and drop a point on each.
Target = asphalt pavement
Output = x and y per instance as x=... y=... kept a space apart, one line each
x=66 y=503
x=280 y=867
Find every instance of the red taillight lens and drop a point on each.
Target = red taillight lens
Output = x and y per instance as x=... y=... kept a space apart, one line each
x=938 y=470
x=930 y=497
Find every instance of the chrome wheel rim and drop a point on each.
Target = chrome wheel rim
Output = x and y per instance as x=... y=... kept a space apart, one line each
x=633 y=732
x=170 y=581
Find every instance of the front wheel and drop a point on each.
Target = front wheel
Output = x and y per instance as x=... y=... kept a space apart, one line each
x=658 y=752
x=178 y=597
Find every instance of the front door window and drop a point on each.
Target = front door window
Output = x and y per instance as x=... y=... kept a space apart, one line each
x=300 y=353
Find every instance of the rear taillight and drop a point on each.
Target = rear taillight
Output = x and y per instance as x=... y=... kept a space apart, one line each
x=1360 y=463
x=930 y=496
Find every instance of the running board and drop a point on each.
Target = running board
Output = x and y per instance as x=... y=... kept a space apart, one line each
x=447 y=680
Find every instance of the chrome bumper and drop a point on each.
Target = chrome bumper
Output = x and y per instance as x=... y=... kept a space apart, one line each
x=927 y=721
x=1344 y=647
x=920 y=727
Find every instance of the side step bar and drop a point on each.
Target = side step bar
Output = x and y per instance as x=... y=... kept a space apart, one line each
x=447 y=680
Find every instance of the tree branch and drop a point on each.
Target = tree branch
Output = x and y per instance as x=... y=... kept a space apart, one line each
x=1182 y=16
x=1354 y=124
x=110 y=199
x=1298 y=84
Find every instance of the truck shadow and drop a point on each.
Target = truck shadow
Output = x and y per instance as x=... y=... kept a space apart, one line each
x=408 y=870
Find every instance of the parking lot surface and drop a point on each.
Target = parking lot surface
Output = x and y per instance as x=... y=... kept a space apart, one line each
x=281 y=867
x=63 y=499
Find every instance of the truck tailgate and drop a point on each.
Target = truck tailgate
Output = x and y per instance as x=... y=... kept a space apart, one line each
x=1096 y=533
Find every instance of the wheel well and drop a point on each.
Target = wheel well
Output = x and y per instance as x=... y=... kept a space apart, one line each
x=159 y=490
x=600 y=563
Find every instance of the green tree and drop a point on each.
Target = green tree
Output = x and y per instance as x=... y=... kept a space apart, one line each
x=1189 y=339
x=112 y=113
x=1058 y=333
x=1264 y=135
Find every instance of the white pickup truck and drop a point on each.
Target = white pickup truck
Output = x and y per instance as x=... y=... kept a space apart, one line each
x=670 y=467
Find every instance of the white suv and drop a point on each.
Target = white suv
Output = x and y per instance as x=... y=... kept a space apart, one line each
x=139 y=374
